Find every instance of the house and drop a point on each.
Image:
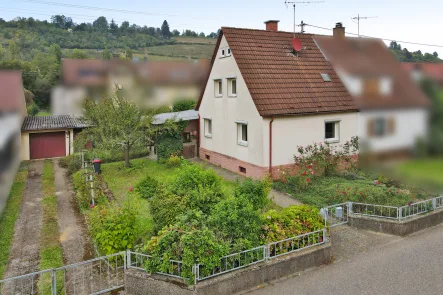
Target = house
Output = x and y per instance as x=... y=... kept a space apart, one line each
x=49 y=136
x=190 y=130
x=262 y=99
x=149 y=84
x=393 y=109
x=422 y=70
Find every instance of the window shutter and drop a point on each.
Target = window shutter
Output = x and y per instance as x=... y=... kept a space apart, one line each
x=371 y=127
x=391 y=125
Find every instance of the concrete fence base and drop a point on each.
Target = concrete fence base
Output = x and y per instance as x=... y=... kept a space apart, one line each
x=395 y=227
x=139 y=282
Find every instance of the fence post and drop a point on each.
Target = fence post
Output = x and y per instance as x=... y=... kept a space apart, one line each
x=349 y=208
x=399 y=213
x=128 y=259
x=196 y=271
x=53 y=282
x=325 y=237
x=434 y=203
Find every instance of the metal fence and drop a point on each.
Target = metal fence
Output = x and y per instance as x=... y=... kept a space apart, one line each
x=139 y=261
x=372 y=210
x=336 y=214
x=421 y=207
x=95 y=276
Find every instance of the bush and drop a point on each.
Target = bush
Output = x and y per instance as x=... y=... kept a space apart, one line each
x=82 y=190
x=113 y=228
x=174 y=161
x=116 y=156
x=72 y=163
x=256 y=192
x=32 y=109
x=235 y=218
x=169 y=143
x=184 y=105
x=290 y=222
x=164 y=208
x=147 y=187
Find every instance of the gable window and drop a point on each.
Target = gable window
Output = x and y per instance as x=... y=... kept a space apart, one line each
x=208 y=127
x=332 y=131
x=218 y=88
x=222 y=52
x=242 y=133
x=232 y=87
x=228 y=51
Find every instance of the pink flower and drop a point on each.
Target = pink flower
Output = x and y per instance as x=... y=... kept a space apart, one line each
x=92 y=206
x=131 y=189
x=409 y=203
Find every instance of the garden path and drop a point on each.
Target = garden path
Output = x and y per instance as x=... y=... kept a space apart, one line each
x=24 y=256
x=281 y=199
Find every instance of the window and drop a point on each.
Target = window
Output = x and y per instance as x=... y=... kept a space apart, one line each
x=332 y=131
x=222 y=54
x=232 y=87
x=380 y=127
x=326 y=77
x=228 y=51
x=208 y=127
x=218 y=88
x=208 y=157
x=242 y=169
x=242 y=134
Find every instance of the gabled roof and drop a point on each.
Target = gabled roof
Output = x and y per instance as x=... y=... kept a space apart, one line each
x=431 y=70
x=32 y=123
x=370 y=58
x=188 y=115
x=11 y=91
x=281 y=83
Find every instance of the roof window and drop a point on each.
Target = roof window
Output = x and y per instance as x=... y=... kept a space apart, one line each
x=326 y=77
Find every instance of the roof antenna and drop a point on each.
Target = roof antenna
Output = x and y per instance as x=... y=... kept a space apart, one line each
x=299 y=2
x=358 y=18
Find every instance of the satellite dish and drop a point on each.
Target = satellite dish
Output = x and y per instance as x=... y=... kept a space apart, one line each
x=296 y=44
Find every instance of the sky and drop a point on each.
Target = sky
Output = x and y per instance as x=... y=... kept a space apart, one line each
x=401 y=20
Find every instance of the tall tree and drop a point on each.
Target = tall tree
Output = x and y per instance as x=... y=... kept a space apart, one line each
x=113 y=27
x=165 y=30
x=56 y=51
x=14 y=51
x=101 y=24
x=175 y=33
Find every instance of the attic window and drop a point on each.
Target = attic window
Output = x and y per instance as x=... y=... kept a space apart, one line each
x=326 y=77
x=228 y=51
x=222 y=52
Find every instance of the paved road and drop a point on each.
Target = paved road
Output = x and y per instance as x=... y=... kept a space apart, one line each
x=411 y=265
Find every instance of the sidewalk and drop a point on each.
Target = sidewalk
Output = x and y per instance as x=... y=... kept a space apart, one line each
x=281 y=199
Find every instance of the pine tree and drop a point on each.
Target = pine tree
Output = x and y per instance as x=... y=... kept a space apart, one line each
x=165 y=30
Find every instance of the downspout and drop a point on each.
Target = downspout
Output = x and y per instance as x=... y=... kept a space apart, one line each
x=270 y=146
x=198 y=136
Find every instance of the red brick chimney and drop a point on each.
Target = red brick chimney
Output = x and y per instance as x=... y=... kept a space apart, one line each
x=339 y=30
x=272 y=25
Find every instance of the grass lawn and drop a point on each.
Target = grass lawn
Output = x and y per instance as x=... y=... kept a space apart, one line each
x=43 y=113
x=10 y=215
x=423 y=172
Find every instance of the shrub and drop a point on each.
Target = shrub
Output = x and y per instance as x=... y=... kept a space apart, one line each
x=169 y=143
x=183 y=105
x=256 y=192
x=174 y=161
x=113 y=228
x=116 y=156
x=147 y=187
x=72 y=163
x=82 y=190
x=290 y=222
x=164 y=208
x=235 y=218
x=32 y=109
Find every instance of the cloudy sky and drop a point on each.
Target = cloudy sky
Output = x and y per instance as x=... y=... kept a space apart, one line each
x=405 y=20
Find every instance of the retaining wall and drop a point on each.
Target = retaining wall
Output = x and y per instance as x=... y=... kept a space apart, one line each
x=395 y=227
x=139 y=282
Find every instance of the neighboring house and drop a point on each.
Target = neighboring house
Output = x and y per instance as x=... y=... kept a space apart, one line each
x=393 y=109
x=149 y=84
x=49 y=137
x=12 y=112
x=190 y=132
x=419 y=71
x=262 y=100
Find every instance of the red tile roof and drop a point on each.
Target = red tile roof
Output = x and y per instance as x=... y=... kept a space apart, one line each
x=431 y=70
x=370 y=58
x=281 y=83
x=11 y=91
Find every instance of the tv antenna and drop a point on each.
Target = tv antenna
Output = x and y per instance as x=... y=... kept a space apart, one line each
x=358 y=18
x=299 y=2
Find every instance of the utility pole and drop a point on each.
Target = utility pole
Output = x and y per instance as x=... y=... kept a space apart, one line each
x=358 y=18
x=299 y=2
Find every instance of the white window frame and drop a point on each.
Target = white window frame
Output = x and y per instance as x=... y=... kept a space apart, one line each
x=230 y=79
x=207 y=122
x=222 y=52
x=336 y=123
x=217 y=87
x=240 y=140
x=228 y=51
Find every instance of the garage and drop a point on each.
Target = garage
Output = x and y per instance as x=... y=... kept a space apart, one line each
x=47 y=145
x=49 y=136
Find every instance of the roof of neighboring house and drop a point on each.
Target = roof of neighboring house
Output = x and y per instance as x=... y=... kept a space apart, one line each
x=176 y=116
x=32 y=123
x=431 y=70
x=370 y=58
x=11 y=91
x=281 y=83
x=94 y=72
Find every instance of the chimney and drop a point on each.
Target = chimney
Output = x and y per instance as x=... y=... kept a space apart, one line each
x=272 y=25
x=339 y=30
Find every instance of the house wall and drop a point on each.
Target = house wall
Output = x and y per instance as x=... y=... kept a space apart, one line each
x=67 y=100
x=410 y=124
x=225 y=111
x=25 y=153
x=292 y=131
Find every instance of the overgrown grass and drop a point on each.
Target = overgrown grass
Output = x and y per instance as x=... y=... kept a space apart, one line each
x=426 y=173
x=10 y=215
x=51 y=254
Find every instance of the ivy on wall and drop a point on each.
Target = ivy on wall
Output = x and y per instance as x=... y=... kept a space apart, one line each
x=170 y=142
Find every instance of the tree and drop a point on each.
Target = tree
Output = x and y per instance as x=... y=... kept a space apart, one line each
x=124 y=26
x=2 y=52
x=101 y=24
x=212 y=35
x=165 y=30
x=14 y=51
x=56 y=51
x=113 y=27
x=78 y=54
x=129 y=54
x=116 y=123
x=62 y=22
x=201 y=35
x=435 y=54
x=106 y=54
x=175 y=33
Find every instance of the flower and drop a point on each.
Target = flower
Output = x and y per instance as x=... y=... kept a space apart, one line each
x=349 y=188
x=409 y=203
x=312 y=172
x=92 y=206
x=308 y=179
x=344 y=193
x=131 y=189
x=396 y=191
x=304 y=173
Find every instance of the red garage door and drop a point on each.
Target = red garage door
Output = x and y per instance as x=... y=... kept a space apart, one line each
x=47 y=145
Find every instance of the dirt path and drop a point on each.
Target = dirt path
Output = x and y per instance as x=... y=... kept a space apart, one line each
x=73 y=235
x=24 y=256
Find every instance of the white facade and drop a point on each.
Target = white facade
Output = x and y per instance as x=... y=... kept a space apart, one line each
x=227 y=111
x=67 y=100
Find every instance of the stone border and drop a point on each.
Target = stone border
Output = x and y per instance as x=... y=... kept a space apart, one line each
x=395 y=227
x=139 y=282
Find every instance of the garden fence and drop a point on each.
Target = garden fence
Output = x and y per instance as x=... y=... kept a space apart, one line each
x=336 y=214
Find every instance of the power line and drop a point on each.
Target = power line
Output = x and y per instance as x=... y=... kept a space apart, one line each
x=384 y=39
